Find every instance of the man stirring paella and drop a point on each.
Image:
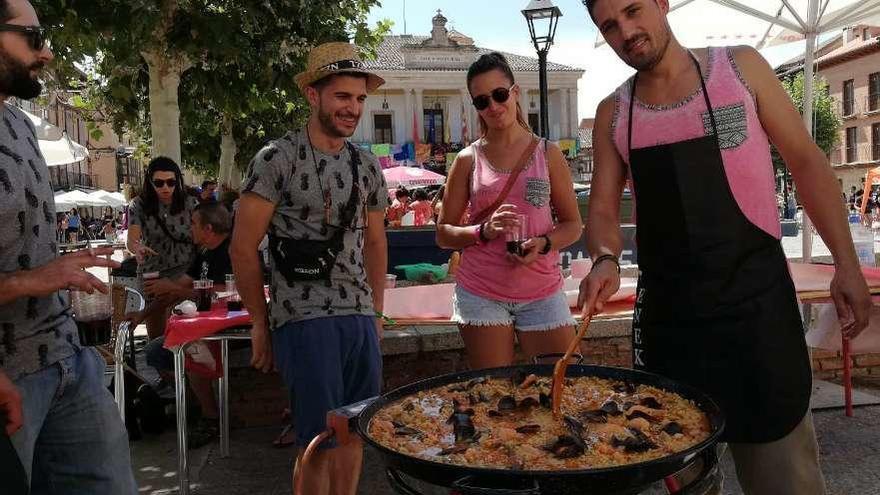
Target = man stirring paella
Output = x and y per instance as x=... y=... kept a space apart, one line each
x=716 y=306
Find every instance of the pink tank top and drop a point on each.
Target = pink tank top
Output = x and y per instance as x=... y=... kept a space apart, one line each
x=745 y=148
x=485 y=269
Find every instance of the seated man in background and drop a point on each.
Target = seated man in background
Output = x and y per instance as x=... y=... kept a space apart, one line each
x=211 y=226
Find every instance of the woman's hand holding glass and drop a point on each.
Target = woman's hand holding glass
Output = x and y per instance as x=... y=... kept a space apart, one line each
x=503 y=220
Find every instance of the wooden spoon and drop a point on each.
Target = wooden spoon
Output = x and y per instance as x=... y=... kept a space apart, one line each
x=562 y=364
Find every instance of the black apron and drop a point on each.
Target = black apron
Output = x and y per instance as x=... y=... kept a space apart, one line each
x=716 y=306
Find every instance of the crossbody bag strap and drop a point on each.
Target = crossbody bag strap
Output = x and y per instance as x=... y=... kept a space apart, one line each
x=164 y=228
x=514 y=175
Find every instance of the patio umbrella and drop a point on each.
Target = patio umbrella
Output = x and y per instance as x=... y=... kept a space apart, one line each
x=70 y=199
x=113 y=199
x=55 y=145
x=779 y=21
x=412 y=177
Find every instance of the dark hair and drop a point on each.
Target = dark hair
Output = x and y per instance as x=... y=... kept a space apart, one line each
x=420 y=195
x=401 y=192
x=324 y=81
x=488 y=63
x=589 y=4
x=149 y=198
x=208 y=182
x=216 y=215
x=5 y=15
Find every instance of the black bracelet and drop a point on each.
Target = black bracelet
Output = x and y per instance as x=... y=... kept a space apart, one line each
x=481 y=234
x=548 y=246
x=606 y=257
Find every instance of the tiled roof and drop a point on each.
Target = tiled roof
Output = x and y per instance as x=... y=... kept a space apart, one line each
x=390 y=57
x=849 y=51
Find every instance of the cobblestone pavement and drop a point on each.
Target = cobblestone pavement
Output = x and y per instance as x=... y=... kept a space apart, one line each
x=848 y=447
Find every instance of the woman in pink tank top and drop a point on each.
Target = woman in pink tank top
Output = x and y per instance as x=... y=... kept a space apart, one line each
x=501 y=296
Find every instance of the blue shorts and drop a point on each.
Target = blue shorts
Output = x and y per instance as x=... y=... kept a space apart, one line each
x=543 y=314
x=327 y=363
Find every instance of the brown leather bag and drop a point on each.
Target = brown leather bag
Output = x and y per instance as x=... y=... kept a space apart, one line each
x=514 y=175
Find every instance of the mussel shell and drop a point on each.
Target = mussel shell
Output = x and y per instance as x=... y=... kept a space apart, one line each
x=507 y=403
x=611 y=408
x=546 y=400
x=464 y=431
x=673 y=428
x=650 y=402
x=565 y=447
x=528 y=429
x=528 y=402
x=518 y=377
x=635 y=443
x=595 y=416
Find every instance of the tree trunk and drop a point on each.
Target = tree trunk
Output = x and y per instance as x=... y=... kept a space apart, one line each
x=229 y=173
x=164 y=107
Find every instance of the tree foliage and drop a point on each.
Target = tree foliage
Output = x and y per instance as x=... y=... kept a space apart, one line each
x=826 y=123
x=240 y=58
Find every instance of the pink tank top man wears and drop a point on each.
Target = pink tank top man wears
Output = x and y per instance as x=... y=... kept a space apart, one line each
x=486 y=269
x=745 y=148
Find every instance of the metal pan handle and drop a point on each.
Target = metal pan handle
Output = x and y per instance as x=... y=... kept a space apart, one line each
x=465 y=486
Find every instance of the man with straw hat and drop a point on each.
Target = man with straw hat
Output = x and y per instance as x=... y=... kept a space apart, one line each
x=321 y=200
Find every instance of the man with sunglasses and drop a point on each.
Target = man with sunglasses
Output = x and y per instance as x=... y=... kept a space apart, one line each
x=62 y=420
x=716 y=306
x=321 y=200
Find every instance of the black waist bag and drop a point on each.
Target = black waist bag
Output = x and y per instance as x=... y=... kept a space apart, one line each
x=301 y=260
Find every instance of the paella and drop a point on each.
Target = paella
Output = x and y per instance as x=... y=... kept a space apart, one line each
x=507 y=423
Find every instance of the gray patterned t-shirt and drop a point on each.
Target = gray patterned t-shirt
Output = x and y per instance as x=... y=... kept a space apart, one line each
x=286 y=173
x=175 y=252
x=36 y=331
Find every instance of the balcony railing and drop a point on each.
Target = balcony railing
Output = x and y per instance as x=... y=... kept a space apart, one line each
x=62 y=179
x=864 y=153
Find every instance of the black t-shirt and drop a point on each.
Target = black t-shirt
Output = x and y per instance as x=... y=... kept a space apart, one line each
x=212 y=264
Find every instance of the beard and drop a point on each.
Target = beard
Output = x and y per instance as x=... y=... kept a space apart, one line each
x=16 y=79
x=329 y=127
x=649 y=60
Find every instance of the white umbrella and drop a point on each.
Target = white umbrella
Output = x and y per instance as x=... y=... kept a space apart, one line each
x=55 y=144
x=77 y=198
x=115 y=200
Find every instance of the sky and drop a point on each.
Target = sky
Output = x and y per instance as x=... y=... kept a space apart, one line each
x=500 y=25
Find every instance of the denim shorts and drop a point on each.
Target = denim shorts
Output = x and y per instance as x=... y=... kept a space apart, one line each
x=540 y=315
x=327 y=363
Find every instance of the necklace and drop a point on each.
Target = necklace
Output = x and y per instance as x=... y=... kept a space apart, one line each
x=325 y=193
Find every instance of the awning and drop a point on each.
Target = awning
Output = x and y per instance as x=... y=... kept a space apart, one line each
x=55 y=144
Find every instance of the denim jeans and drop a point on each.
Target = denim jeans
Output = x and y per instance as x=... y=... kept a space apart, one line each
x=73 y=440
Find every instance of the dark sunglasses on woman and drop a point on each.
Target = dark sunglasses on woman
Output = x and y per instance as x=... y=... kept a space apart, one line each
x=36 y=35
x=158 y=183
x=500 y=95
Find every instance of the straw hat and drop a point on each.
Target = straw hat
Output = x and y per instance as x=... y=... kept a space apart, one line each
x=333 y=58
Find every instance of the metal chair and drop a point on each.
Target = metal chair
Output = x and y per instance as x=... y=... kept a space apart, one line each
x=122 y=336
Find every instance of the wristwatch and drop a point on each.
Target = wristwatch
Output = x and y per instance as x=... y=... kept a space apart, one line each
x=548 y=246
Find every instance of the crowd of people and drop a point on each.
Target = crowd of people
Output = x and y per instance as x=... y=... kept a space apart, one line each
x=422 y=206
x=708 y=235
x=71 y=227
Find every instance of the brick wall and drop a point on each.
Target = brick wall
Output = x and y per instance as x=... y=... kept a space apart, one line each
x=828 y=365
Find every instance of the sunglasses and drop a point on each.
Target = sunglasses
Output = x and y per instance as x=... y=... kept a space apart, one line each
x=158 y=183
x=500 y=95
x=36 y=35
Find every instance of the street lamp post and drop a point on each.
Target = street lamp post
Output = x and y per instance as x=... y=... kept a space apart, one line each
x=542 y=17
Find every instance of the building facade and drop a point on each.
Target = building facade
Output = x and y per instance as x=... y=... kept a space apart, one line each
x=426 y=91
x=109 y=164
x=853 y=74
